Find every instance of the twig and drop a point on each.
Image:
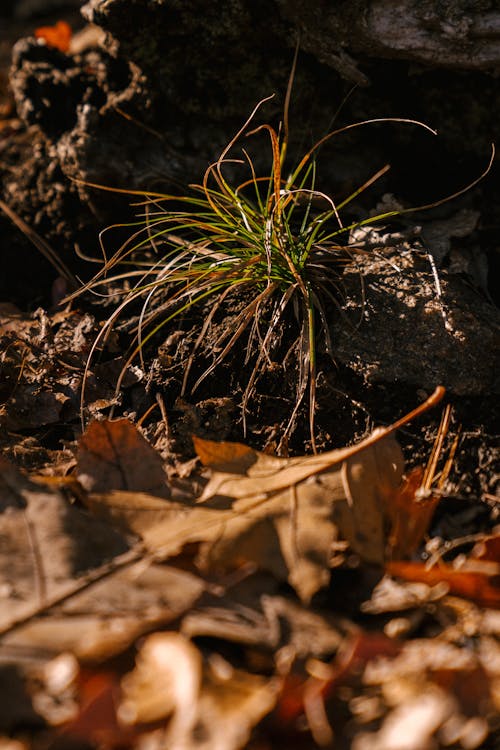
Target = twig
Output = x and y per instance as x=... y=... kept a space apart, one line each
x=75 y=587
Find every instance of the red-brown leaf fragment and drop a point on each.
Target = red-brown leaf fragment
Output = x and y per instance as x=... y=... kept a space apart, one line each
x=115 y=456
x=58 y=36
x=410 y=514
x=482 y=587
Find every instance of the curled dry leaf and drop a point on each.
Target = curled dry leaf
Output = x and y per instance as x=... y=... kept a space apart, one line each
x=272 y=622
x=410 y=515
x=166 y=681
x=284 y=514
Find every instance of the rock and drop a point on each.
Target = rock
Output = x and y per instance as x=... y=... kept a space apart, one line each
x=457 y=34
x=404 y=333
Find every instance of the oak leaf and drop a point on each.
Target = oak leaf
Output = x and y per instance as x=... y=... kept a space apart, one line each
x=284 y=514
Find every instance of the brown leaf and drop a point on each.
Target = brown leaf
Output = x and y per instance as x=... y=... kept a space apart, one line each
x=271 y=623
x=31 y=407
x=283 y=514
x=105 y=618
x=44 y=542
x=482 y=585
x=134 y=511
x=410 y=515
x=115 y=456
x=230 y=457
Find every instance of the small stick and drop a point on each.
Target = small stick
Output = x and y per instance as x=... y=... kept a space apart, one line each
x=75 y=587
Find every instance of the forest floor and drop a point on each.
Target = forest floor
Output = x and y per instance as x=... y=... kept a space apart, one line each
x=174 y=573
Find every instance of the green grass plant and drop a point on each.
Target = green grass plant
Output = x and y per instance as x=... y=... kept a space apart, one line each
x=264 y=238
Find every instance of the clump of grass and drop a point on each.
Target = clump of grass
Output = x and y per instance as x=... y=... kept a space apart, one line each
x=264 y=237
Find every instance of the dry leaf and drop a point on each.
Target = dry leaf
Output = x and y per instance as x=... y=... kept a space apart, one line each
x=115 y=456
x=291 y=511
x=45 y=546
x=44 y=542
x=107 y=617
x=273 y=622
x=213 y=707
x=58 y=36
x=394 y=596
x=479 y=582
x=410 y=514
x=283 y=514
x=134 y=511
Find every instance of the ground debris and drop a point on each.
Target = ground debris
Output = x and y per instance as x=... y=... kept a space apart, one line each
x=200 y=561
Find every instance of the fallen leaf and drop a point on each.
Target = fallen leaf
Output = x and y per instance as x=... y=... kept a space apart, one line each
x=20 y=412
x=115 y=456
x=394 y=596
x=134 y=511
x=58 y=36
x=411 y=514
x=53 y=553
x=105 y=618
x=480 y=585
x=272 y=623
x=44 y=542
x=166 y=680
x=284 y=514
x=214 y=701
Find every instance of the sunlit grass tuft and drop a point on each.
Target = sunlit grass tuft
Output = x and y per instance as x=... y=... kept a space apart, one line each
x=264 y=238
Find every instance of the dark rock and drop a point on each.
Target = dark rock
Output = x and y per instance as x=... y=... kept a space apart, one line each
x=403 y=333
